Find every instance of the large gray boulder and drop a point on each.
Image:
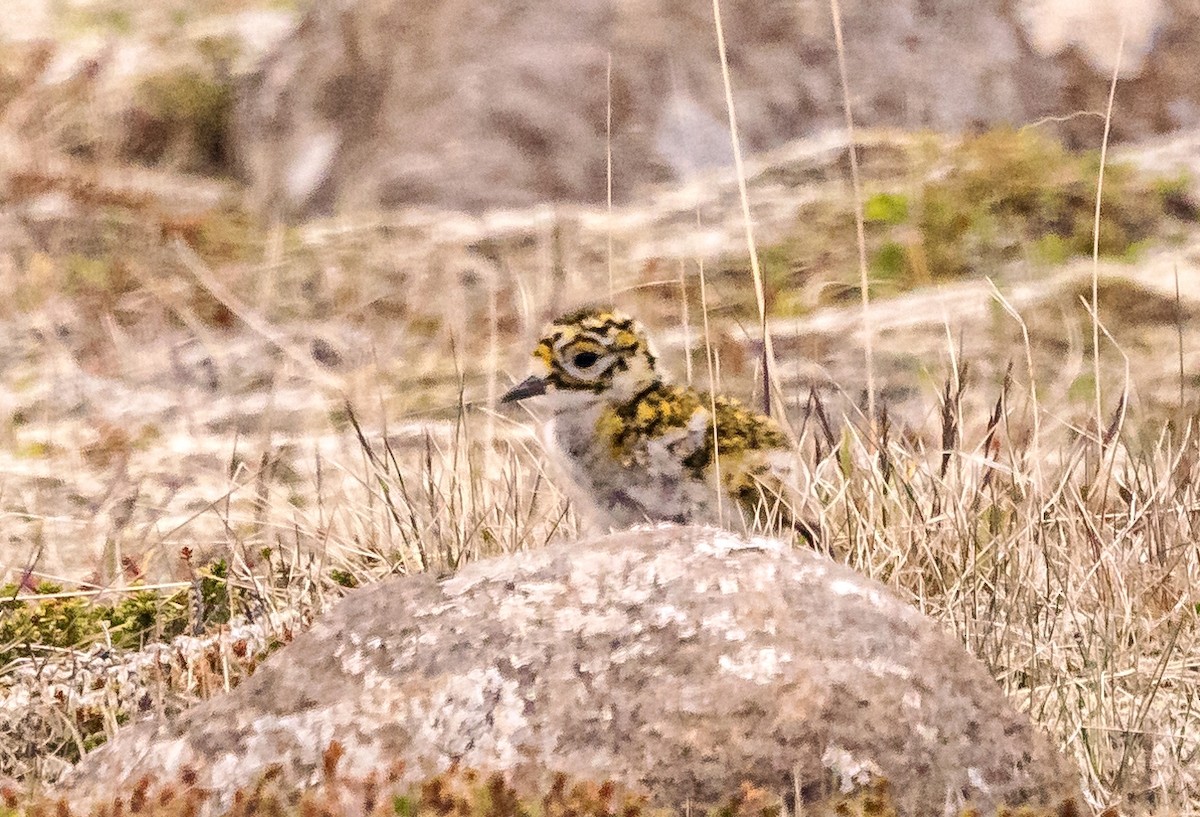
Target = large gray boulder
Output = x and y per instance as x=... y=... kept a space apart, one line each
x=683 y=661
x=476 y=105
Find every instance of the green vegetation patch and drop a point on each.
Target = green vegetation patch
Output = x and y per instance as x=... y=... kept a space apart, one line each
x=943 y=214
x=1007 y=192
x=32 y=627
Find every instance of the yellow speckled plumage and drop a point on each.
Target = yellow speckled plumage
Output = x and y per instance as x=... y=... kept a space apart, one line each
x=641 y=449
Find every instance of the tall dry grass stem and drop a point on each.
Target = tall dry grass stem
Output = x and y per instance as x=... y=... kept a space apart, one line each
x=1108 y=110
x=608 y=174
x=859 y=226
x=747 y=220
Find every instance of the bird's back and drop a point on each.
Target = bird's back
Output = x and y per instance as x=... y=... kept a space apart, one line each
x=656 y=458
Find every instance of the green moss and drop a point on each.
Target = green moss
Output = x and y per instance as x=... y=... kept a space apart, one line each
x=1010 y=190
x=1051 y=249
x=30 y=628
x=999 y=197
x=889 y=262
x=35 y=628
x=886 y=208
x=343 y=578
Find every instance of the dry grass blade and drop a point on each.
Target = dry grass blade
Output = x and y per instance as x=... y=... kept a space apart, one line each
x=747 y=220
x=1108 y=111
x=1179 y=333
x=818 y=408
x=951 y=403
x=859 y=227
x=885 y=461
x=989 y=448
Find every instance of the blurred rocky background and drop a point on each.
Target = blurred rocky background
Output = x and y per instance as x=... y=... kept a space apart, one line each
x=468 y=106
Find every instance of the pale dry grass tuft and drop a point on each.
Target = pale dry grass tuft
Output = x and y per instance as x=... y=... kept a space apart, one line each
x=1073 y=578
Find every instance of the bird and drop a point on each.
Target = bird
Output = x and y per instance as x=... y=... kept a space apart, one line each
x=639 y=448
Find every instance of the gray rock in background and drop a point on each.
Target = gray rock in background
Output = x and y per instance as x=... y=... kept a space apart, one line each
x=682 y=660
x=473 y=106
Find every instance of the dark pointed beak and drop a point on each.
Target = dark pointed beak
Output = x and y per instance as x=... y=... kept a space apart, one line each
x=531 y=386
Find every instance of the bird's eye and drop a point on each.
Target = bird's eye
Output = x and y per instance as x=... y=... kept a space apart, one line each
x=585 y=360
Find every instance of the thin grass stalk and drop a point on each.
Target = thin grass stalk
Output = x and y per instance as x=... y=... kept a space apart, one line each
x=608 y=175
x=493 y=368
x=1112 y=92
x=859 y=226
x=685 y=319
x=1179 y=333
x=756 y=273
x=1035 y=455
x=709 y=358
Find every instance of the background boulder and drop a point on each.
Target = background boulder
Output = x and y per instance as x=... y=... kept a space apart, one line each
x=473 y=106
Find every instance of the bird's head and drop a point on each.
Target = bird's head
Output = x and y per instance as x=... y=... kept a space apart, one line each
x=589 y=356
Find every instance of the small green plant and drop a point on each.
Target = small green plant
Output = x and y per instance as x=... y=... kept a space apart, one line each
x=343 y=577
x=146 y=616
x=57 y=623
x=886 y=208
x=32 y=627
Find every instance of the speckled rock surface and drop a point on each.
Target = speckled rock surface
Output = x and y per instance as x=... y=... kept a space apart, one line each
x=681 y=660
